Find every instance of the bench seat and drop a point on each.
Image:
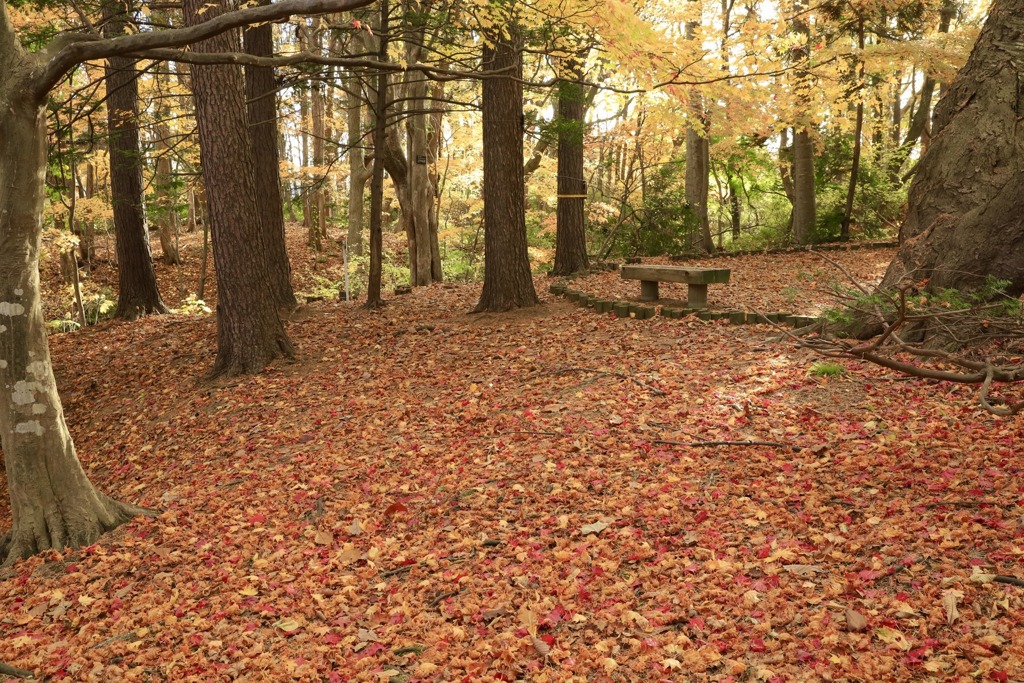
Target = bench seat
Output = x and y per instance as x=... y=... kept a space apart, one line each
x=696 y=279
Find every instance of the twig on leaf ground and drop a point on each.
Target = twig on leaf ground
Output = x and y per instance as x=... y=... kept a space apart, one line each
x=400 y=570
x=131 y=635
x=845 y=272
x=527 y=431
x=442 y=597
x=701 y=444
x=575 y=368
x=8 y=670
x=1012 y=580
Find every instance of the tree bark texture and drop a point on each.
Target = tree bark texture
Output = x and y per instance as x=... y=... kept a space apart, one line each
x=164 y=200
x=698 y=168
x=804 y=199
x=965 y=217
x=570 y=233
x=262 y=111
x=380 y=123
x=250 y=333
x=508 y=282
x=421 y=194
x=358 y=171
x=137 y=294
x=53 y=504
x=434 y=139
x=858 y=133
x=698 y=162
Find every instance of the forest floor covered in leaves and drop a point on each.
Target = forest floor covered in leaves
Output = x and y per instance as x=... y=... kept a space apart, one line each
x=546 y=495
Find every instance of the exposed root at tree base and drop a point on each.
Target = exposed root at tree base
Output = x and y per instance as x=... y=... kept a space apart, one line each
x=19 y=544
x=231 y=364
x=135 y=310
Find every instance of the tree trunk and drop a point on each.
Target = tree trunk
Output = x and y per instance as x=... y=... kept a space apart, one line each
x=434 y=138
x=421 y=196
x=570 y=234
x=965 y=207
x=851 y=192
x=358 y=172
x=508 y=282
x=53 y=504
x=804 y=210
x=137 y=294
x=380 y=123
x=804 y=200
x=163 y=189
x=250 y=333
x=735 y=212
x=918 y=127
x=698 y=162
x=262 y=113
x=318 y=216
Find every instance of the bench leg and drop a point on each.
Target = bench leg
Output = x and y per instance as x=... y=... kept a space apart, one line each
x=697 y=296
x=648 y=290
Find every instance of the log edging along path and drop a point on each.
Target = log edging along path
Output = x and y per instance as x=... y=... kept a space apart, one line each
x=623 y=308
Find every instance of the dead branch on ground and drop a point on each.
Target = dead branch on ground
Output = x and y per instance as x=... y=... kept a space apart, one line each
x=970 y=339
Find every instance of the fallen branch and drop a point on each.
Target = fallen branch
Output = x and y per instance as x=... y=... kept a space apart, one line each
x=131 y=635
x=527 y=431
x=400 y=570
x=442 y=597
x=701 y=444
x=8 y=670
x=1012 y=580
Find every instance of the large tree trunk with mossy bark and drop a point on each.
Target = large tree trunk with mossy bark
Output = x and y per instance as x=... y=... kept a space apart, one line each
x=53 y=504
x=508 y=282
x=965 y=217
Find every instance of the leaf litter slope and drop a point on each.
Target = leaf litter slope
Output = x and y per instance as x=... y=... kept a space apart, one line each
x=433 y=496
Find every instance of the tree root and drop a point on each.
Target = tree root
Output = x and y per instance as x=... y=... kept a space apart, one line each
x=22 y=543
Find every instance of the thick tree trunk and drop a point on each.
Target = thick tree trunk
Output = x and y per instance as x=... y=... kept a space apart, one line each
x=508 y=282
x=570 y=234
x=53 y=504
x=250 y=333
x=262 y=112
x=965 y=217
x=137 y=288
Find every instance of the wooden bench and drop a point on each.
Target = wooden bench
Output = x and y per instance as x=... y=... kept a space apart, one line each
x=696 y=279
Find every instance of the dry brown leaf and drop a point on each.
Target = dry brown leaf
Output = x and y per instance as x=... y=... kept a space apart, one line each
x=855 y=621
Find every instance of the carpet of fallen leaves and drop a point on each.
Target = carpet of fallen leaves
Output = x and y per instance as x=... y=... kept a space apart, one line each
x=427 y=495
